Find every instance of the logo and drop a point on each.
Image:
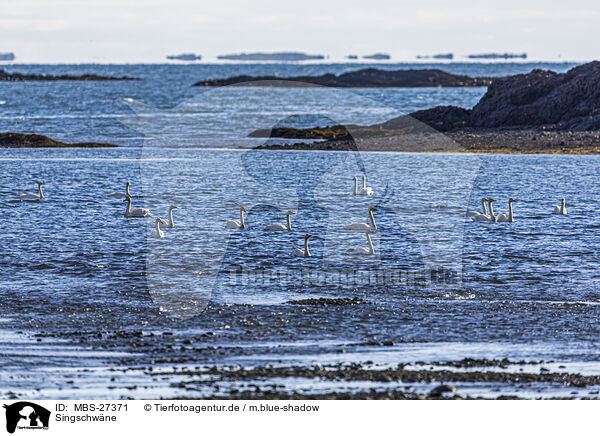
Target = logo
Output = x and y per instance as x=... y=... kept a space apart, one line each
x=26 y=415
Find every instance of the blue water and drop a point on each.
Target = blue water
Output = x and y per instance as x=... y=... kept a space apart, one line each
x=84 y=287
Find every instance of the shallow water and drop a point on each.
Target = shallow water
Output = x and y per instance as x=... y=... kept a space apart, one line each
x=85 y=290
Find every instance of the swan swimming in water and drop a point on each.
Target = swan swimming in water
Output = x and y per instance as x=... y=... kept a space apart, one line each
x=303 y=252
x=169 y=224
x=368 y=188
x=364 y=250
x=158 y=233
x=30 y=196
x=560 y=210
x=506 y=218
x=237 y=224
x=277 y=227
x=487 y=218
x=364 y=226
x=138 y=212
x=473 y=213
x=121 y=194
x=362 y=191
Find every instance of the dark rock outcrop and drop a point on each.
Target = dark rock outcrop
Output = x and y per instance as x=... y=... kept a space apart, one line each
x=536 y=100
x=19 y=77
x=365 y=78
x=21 y=140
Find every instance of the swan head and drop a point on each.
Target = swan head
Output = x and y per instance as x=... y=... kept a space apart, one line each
x=308 y=235
x=242 y=209
x=511 y=200
x=290 y=212
x=562 y=200
x=40 y=183
x=172 y=207
x=372 y=208
x=355 y=178
x=484 y=199
x=128 y=184
x=490 y=200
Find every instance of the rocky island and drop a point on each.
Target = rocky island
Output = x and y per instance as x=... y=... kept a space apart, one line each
x=20 y=77
x=365 y=78
x=537 y=112
x=22 y=140
x=279 y=56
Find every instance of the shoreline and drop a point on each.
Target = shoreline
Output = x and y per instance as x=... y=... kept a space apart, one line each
x=461 y=141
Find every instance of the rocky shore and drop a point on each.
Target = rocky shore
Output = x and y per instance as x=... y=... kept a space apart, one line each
x=538 y=112
x=365 y=78
x=440 y=381
x=20 y=77
x=21 y=140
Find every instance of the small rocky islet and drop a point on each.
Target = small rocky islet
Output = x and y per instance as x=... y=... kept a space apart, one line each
x=22 y=140
x=364 y=78
x=21 y=77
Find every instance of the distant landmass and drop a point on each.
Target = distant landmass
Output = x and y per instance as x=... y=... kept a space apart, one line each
x=449 y=56
x=279 y=56
x=352 y=57
x=378 y=57
x=18 y=77
x=498 y=56
x=365 y=78
x=185 y=57
x=7 y=56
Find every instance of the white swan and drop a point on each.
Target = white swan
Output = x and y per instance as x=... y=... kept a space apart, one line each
x=138 y=212
x=473 y=213
x=303 y=252
x=158 y=233
x=364 y=226
x=30 y=196
x=487 y=218
x=507 y=218
x=277 y=227
x=169 y=224
x=560 y=210
x=363 y=190
x=364 y=250
x=368 y=189
x=237 y=224
x=121 y=194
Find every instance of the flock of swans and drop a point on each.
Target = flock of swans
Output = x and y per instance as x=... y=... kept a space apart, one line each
x=487 y=215
x=305 y=252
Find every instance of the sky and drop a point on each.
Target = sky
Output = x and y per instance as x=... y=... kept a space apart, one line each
x=69 y=31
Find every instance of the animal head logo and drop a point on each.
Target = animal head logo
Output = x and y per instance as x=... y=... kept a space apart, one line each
x=26 y=415
x=414 y=193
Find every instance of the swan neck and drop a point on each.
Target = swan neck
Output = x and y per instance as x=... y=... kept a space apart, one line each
x=127 y=191
x=492 y=211
x=40 y=191
x=242 y=219
x=289 y=222
x=483 y=206
x=128 y=206
x=364 y=182
x=371 y=249
x=355 y=187
x=372 y=218
x=510 y=211
x=171 y=223
x=306 y=252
